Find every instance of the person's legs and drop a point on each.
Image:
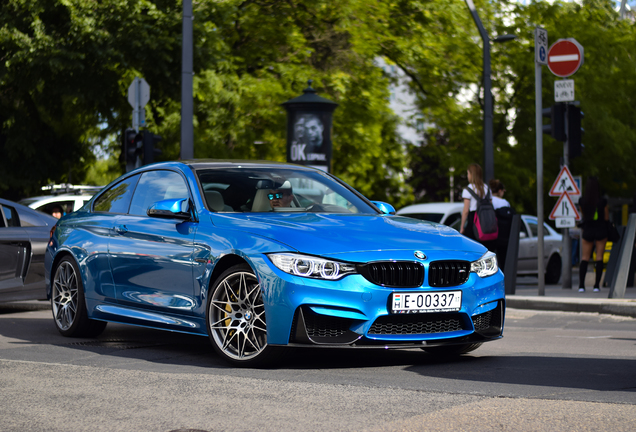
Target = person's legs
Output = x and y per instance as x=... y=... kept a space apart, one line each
x=587 y=254
x=600 y=251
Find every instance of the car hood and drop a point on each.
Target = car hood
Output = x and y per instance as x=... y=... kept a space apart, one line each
x=330 y=234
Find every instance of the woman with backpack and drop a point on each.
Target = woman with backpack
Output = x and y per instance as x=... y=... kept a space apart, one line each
x=481 y=190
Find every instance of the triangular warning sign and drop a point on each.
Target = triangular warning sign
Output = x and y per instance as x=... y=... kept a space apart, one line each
x=565 y=208
x=564 y=184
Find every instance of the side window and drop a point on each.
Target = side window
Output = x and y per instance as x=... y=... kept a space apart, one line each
x=523 y=229
x=117 y=198
x=452 y=218
x=546 y=232
x=11 y=216
x=157 y=186
x=534 y=228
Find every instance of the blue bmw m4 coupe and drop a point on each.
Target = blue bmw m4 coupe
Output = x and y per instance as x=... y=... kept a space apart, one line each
x=260 y=256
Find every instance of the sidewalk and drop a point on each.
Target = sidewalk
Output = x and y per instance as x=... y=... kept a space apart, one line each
x=556 y=298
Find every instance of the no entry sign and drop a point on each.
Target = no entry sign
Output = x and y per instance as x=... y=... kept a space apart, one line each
x=565 y=57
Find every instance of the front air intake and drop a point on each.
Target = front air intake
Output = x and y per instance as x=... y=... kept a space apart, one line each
x=448 y=273
x=394 y=274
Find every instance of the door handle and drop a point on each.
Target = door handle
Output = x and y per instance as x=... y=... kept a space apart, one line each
x=121 y=229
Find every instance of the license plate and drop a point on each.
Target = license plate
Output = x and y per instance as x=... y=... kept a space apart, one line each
x=412 y=302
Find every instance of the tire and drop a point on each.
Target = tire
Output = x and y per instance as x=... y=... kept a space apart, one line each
x=452 y=350
x=236 y=319
x=68 y=303
x=553 y=270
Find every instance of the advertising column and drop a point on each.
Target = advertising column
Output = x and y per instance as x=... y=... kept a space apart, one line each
x=309 y=121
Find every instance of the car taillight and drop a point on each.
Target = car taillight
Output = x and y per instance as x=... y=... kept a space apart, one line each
x=51 y=235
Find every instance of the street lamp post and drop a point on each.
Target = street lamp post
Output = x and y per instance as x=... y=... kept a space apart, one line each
x=489 y=156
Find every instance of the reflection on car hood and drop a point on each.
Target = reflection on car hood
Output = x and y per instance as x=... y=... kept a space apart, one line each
x=327 y=234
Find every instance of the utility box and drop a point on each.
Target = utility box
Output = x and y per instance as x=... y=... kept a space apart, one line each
x=309 y=123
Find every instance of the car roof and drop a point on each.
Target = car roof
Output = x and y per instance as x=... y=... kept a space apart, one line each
x=214 y=163
x=50 y=220
x=438 y=207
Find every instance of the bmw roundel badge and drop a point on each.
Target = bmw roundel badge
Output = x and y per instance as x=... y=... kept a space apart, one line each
x=420 y=255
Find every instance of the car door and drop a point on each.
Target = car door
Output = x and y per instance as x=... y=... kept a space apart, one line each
x=14 y=245
x=152 y=258
x=527 y=248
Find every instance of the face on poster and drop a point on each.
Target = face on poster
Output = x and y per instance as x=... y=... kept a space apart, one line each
x=308 y=139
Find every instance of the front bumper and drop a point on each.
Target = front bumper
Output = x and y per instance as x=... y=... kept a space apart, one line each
x=354 y=312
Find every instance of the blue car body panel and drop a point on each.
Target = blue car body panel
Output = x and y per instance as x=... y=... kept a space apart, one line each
x=158 y=272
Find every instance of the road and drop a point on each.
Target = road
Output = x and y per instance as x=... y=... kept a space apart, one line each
x=552 y=371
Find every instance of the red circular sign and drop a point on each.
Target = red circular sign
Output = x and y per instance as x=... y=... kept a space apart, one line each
x=565 y=57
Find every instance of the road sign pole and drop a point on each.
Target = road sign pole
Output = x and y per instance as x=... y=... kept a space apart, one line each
x=540 y=44
x=187 y=107
x=566 y=256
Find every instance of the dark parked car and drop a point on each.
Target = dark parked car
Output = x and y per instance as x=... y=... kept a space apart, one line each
x=260 y=256
x=24 y=234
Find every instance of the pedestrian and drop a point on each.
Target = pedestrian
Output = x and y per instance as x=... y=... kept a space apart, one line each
x=594 y=226
x=504 y=212
x=477 y=185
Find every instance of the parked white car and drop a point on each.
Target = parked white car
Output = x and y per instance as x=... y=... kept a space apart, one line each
x=68 y=198
x=451 y=214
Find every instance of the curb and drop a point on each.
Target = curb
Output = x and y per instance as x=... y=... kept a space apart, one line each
x=606 y=306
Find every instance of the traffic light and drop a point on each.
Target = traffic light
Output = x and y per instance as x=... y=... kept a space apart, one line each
x=149 y=141
x=556 y=114
x=130 y=148
x=574 y=131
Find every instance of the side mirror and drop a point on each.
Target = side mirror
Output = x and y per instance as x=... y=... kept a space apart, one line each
x=384 y=207
x=522 y=235
x=171 y=209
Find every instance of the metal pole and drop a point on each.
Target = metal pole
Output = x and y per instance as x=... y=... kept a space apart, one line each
x=187 y=111
x=539 y=135
x=489 y=160
x=566 y=256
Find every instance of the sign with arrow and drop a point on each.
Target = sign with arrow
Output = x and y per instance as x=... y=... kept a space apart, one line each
x=564 y=184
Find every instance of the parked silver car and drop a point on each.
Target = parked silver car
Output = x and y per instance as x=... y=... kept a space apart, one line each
x=450 y=214
x=24 y=234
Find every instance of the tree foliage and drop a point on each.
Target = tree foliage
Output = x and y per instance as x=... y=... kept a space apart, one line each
x=67 y=64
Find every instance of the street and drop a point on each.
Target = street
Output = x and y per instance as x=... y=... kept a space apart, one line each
x=552 y=370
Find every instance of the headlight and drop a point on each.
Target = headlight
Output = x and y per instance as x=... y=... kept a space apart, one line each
x=311 y=267
x=485 y=266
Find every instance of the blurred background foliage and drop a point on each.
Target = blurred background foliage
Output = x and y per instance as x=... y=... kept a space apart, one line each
x=66 y=66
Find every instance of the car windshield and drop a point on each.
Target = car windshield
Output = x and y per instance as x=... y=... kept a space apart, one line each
x=247 y=189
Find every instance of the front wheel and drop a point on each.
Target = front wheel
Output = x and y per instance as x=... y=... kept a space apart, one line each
x=236 y=318
x=68 y=304
x=553 y=270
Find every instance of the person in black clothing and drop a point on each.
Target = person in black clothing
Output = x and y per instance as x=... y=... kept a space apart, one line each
x=505 y=213
x=594 y=226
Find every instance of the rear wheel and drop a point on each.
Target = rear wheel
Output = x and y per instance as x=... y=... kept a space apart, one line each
x=68 y=304
x=236 y=319
x=553 y=270
x=452 y=350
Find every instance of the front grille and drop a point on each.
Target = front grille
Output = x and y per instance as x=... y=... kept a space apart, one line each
x=482 y=322
x=396 y=274
x=322 y=326
x=448 y=273
x=416 y=324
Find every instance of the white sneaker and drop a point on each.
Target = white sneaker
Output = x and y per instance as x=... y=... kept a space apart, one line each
x=597 y=290
x=581 y=289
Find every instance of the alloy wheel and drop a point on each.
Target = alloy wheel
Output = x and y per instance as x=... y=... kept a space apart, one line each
x=236 y=317
x=65 y=300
